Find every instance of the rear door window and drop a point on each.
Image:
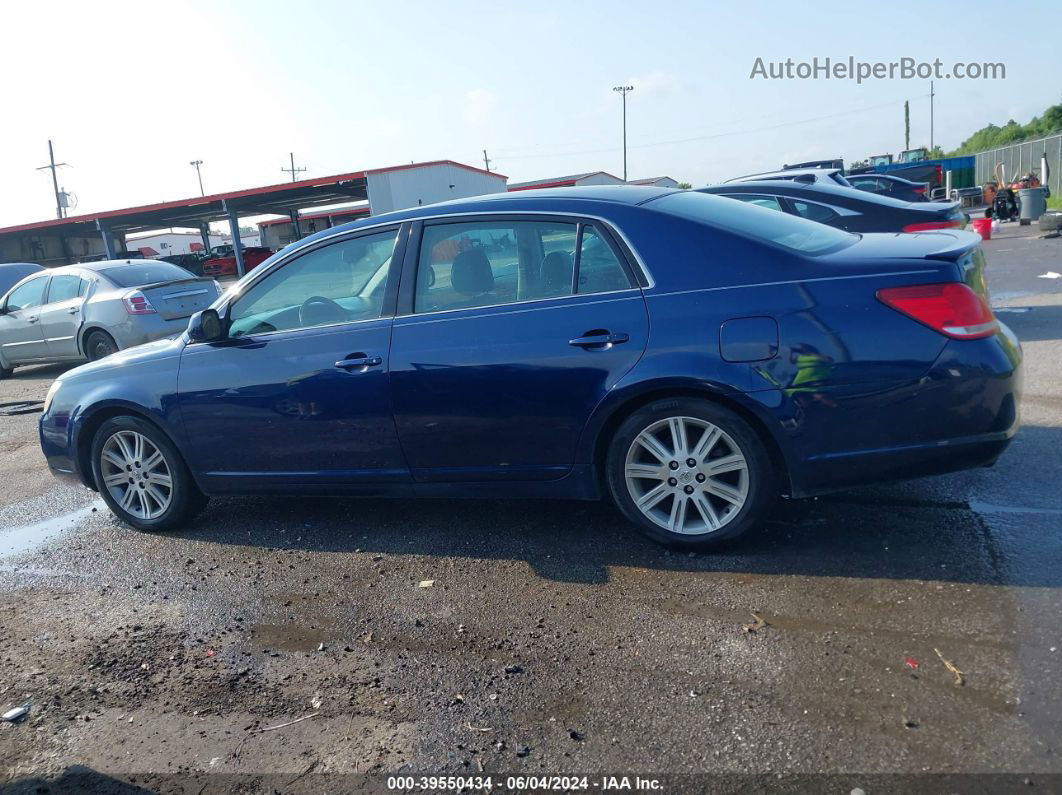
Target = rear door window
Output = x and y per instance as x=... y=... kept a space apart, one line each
x=492 y=262
x=65 y=287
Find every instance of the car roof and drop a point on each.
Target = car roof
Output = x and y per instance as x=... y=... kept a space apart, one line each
x=104 y=264
x=561 y=199
x=788 y=173
x=824 y=191
x=893 y=177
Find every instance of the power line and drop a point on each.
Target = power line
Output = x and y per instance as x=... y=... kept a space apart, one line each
x=707 y=137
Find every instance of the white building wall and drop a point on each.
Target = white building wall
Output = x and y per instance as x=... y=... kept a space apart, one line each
x=600 y=179
x=412 y=187
x=169 y=243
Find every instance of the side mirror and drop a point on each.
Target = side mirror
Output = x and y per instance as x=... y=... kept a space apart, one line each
x=205 y=326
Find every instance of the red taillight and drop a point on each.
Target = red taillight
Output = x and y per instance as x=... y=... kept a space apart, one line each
x=953 y=309
x=920 y=189
x=136 y=303
x=928 y=226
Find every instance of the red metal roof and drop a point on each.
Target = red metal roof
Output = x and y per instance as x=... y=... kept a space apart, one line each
x=205 y=201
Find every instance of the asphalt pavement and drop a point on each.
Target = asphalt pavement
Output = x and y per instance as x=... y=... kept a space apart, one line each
x=882 y=636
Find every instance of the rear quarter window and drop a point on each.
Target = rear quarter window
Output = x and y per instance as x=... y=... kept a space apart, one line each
x=755 y=223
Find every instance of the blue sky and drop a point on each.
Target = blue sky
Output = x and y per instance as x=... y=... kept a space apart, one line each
x=132 y=92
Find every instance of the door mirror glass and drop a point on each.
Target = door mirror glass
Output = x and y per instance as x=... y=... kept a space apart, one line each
x=205 y=326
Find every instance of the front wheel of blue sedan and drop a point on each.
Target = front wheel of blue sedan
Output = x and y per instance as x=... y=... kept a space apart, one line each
x=690 y=473
x=141 y=475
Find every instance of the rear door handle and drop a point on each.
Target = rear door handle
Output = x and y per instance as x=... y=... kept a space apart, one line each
x=32 y=319
x=360 y=362
x=72 y=310
x=604 y=339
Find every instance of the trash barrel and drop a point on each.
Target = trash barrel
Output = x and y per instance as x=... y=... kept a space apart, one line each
x=1033 y=204
x=983 y=227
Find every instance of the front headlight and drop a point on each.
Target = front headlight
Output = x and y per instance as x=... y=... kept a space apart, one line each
x=51 y=394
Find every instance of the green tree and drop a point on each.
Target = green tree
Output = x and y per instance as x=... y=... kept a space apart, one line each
x=685 y=185
x=991 y=136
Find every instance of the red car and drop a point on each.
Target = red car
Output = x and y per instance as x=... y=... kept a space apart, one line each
x=226 y=266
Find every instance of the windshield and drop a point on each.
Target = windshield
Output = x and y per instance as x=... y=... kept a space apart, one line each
x=141 y=273
x=758 y=223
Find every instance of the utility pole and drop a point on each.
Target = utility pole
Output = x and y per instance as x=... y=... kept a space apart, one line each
x=931 y=95
x=624 y=91
x=486 y=160
x=196 y=164
x=52 y=166
x=293 y=171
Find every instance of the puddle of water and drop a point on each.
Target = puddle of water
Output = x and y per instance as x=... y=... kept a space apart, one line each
x=21 y=539
x=291 y=637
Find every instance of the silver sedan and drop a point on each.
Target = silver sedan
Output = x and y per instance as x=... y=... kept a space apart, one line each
x=91 y=310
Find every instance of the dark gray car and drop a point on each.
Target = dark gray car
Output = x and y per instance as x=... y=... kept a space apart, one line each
x=91 y=310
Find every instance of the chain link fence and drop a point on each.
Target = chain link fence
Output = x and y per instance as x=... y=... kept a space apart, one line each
x=1018 y=159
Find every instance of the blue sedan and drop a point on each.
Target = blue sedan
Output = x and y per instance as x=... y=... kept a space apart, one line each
x=686 y=356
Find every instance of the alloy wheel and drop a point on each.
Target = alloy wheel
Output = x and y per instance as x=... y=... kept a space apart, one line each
x=687 y=475
x=136 y=474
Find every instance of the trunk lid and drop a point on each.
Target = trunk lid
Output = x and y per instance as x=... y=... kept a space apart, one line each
x=182 y=298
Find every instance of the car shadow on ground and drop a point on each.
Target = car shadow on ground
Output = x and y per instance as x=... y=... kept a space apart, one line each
x=898 y=531
x=43 y=372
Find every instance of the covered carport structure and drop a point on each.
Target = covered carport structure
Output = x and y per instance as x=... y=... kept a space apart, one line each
x=66 y=240
x=63 y=241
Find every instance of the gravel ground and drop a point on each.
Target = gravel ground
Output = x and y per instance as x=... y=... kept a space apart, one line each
x=494 y=637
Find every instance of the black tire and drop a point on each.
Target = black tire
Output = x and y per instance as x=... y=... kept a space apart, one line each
x=6 y=372
x=1024 y=222
x=99 y=344
x=762 y=480
x=186 y=500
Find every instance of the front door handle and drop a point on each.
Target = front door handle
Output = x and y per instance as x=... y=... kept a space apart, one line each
x=359 y=362
x=32 y=319
x=599 y=340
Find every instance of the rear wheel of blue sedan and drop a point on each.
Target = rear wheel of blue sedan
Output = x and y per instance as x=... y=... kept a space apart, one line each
x=142 y=477
x=690 y=473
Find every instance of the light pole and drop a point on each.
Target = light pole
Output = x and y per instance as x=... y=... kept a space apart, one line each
x=623 y=90
x=197 y=164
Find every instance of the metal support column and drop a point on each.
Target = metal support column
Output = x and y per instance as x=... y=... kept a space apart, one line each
x=294 y=215
x=108 y=241
x=204 y=233
x=234 y=228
